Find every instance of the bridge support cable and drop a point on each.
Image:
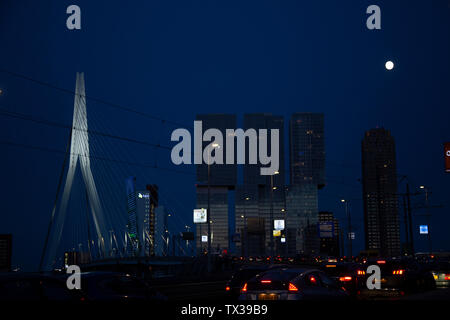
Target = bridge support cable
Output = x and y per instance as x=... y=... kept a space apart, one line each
x=79 y=151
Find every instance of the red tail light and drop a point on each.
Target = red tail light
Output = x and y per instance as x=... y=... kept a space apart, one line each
x=447 y=277
x=244 y=288
x=227 y=288
x=345 y=279
x=361 y=272
x=266 y=281
x=292 y=288
x=381 y=262
x=398 y=272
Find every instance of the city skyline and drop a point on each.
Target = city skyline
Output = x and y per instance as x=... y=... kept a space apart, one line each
x=167 y=66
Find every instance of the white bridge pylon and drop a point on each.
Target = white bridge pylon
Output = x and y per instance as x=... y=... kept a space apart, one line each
x=79 y=152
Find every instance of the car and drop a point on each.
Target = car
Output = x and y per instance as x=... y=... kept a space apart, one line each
x=245 y=273
x=441 y=273
x=292 y=284
x=23 y=286
x=401 y=276
x=112 y=286
x=352 y=276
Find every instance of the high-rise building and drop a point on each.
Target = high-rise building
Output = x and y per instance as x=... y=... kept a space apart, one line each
x=219 y=219
x=379 y=178
x=154 y=198
x=329 y=242
x=307 y=149
x=132 y=223
x=220 y=174
x=307 y=174
x=5 y=252
x=221 y=178
x=302 y=219
x=141 y=206
x=252 y=175
x=260 y=200
x=145 y=236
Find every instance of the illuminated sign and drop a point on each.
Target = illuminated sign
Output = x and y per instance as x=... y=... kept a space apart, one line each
x=423 y=229
x=447 y=156
x=276 y=233
x=283 y=239
x=278 y=224
x=200 y=215
x=204 y=238
x=143 y=195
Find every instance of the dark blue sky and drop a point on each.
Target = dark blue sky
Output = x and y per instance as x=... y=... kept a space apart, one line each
x=174 y=59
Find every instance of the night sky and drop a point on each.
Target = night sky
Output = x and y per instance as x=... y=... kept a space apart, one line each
x=174 y=59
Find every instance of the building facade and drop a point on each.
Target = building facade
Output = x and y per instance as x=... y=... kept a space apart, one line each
x=379 y=178
x=307 y=175
x=221 y=178
x=307 y=149
x=329 y=243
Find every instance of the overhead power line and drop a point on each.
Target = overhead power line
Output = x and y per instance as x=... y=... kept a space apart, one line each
x=104 y=102
x=53 y=150
x=21 y=116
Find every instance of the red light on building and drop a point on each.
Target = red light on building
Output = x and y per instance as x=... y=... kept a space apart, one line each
x=447 y=156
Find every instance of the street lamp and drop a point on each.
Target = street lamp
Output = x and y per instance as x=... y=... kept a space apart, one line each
x=349 y=227
x=271 y=212
x=213 y=146
x=244 y=249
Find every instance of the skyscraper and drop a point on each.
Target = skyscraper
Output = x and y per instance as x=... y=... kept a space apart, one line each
x=307 y=149
x=379 y=177
x=260 y=200
x=307 y=175
x=222 y=178
x=302 y=218
x=132 y=223
x=269 y=122
x=329 y=243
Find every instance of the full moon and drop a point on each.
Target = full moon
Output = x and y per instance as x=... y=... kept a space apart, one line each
x=389 y=65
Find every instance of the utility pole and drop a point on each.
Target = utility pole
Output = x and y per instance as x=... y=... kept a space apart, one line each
x=408 y=198
x=349 y=228
x=271 y=216
x=208 y=213
x=405 y=218
x=428 y=217
x=209 y=216
x=272 y=187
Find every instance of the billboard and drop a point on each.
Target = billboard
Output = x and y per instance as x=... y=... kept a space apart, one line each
x=200 y=215
x=447 y=156
x=423 y=229
x=278 y=224
x=326 y=229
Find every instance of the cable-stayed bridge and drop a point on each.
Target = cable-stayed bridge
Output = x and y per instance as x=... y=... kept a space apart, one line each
x=91 y=210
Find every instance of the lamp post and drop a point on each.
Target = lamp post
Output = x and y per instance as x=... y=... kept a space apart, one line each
x=213 y=146
x=271 y=213
x=244 y=217
x=349 y=227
